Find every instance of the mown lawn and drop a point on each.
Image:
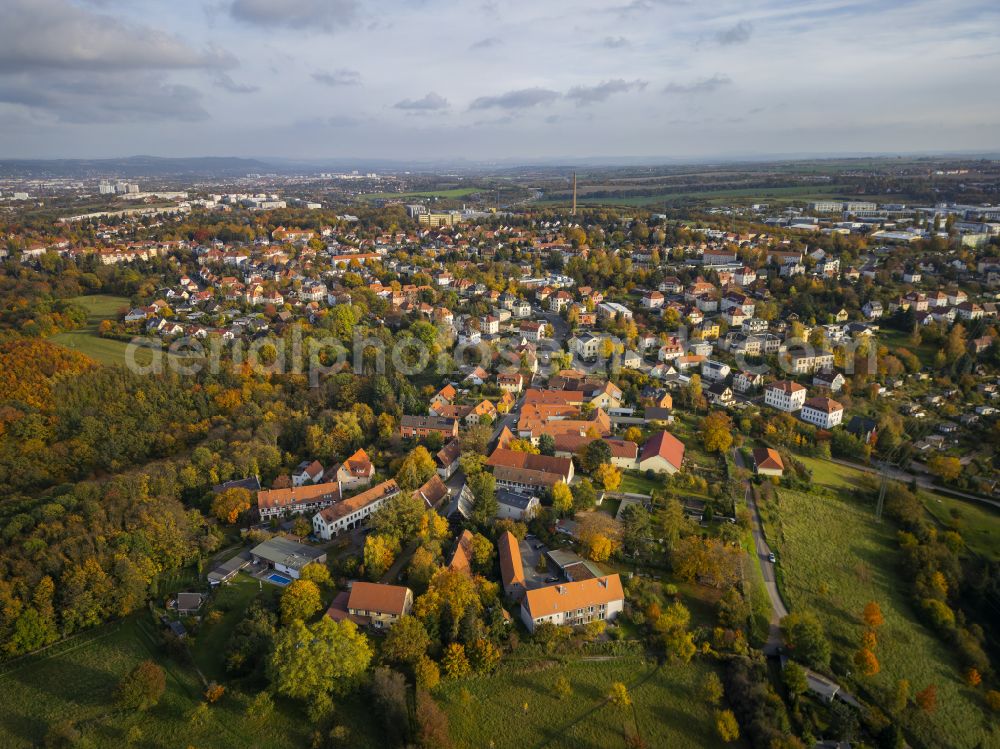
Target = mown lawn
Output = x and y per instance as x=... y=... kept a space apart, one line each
x=490 y=711
x=833 y=541
x=635 y=483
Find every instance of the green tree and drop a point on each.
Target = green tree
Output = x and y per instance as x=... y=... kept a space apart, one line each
x=584 y=495
x=711 y=688
x=794 y=677
x=726 y=726
x=483 y=486
x=803 y=634
x=406 y=642
x=319 y=659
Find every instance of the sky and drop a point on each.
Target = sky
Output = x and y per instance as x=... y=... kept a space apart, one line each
x=497 y=80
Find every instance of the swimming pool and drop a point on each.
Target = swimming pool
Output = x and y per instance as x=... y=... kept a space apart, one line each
x=277 y=579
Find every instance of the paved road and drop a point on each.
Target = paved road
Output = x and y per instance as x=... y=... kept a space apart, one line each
x=772 y=647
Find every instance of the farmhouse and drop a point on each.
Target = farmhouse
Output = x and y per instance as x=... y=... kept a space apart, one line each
x=767 y=462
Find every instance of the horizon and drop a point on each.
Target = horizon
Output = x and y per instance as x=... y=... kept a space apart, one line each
x=642 y=81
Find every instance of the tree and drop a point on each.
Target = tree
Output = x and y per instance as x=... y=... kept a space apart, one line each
x=637 y=529
x=547 y=444
x=901 y=696
x=672 y=522
x=608 y=477
x=417 y=467
x=400 y=518
x=483 y=655
x=316 y=573
x=562 y=498
x=318 y=659
x=389 y=690
x=803 y=633
x=406 y=642
x=865 y=660
x=795 y=679
x=426 y=673
x=993 y=700
x=672 y=626
x=300 y=600
x=432 y=723
x=142 y=687
x=563 y=688
x=618 y=695
x=926 y=698
x=455 y=663
x=380 y=552
x=945 y=467
x=717 y=432
x=726 y=726
x=228 y=505
x=484 y=488
x=523 y=446
x=711 y=688
x=872 y=615
x=260 y=709
x=595 y=453
x=584 y=495
x=973 y=678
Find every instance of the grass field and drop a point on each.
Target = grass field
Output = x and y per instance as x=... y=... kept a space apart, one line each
x=490 y=711
x=86 y=340
x=833 y=541
x=978 y=523
x=635 y=483
x=77 y=683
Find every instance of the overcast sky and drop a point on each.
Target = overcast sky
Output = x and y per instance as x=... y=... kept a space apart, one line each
x=497 y=79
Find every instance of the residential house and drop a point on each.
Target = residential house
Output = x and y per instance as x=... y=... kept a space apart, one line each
x=422 y=426
x=518 y=470
x=785 y=395
x=573 y=603
x=447 y=459
x=767 y=462
x=295 y=500
x=350 y=513
x=822 y=412
x=377 y=604
x=511 y=565
x=662 y=453
x=286 y=556
x=516 y=505
x=356 y=472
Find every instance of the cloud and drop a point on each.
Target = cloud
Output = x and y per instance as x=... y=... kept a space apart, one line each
x=519 y=99
x=487 y=43
x=615 y=42
x=738 y=34
x=340 y=77
x=432 y=102
x=84 y=98
x=701 y=86
x=222 y=80
x=584 y=95
x=323 y=15
x=57 y=35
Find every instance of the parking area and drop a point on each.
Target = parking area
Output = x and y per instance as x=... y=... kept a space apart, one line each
x=531 y=551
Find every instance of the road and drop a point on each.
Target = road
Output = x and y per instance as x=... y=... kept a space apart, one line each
x=817 y=682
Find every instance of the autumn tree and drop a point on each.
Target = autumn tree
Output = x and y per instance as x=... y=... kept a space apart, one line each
x=300 y=600
x=672 y=627
x=865 y=660
x=455 y=662
x=926 y=698
x=618 y=696
x=379 y=554
x=228 y=505
x=945 y=467
x=717 y=432
x=432 y=723
x=319 y=659
x=142 y=687
x=562 y=498
x=608 y=477
x=872 y=615
x=417 y=467
x=726 y=726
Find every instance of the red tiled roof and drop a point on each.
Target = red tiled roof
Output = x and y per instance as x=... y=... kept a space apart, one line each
x=666 y=446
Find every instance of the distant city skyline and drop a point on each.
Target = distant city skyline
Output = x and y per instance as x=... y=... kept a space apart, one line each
x=515 y=82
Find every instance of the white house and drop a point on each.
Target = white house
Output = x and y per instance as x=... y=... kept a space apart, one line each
x=822 y=412
x=573 y=603
x=351 y=512
x=785 y=395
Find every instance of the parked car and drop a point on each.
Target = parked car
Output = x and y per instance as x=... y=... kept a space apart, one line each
x=771 y=558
